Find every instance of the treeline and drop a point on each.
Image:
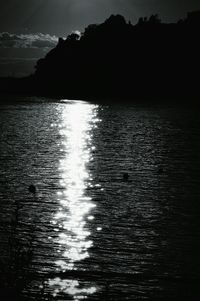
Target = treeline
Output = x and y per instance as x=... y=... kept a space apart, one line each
x=150 y=59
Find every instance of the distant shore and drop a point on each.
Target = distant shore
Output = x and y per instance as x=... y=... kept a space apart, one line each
x=22 y=87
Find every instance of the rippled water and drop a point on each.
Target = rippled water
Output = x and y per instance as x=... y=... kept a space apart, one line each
x=87 y=233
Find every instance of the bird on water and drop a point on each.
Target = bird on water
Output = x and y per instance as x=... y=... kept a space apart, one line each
x=125 y=176
x=32 y=189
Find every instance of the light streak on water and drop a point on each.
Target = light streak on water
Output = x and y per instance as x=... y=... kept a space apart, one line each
x=75 y=207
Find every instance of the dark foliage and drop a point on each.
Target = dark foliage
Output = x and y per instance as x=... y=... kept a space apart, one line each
x=114 y=59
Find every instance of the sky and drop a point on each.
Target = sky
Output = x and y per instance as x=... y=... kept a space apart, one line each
x=30 y=28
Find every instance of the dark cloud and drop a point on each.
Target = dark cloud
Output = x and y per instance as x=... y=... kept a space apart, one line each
x=43 y=44
x=9 y=40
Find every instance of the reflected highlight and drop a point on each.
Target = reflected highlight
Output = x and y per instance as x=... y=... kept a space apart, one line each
x=78 y=121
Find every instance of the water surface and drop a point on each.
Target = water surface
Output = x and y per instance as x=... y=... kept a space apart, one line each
x=87 y=233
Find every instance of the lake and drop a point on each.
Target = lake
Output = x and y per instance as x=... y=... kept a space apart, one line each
x=89 y=232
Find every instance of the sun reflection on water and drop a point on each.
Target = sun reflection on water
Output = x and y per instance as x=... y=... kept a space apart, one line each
x=78 y=121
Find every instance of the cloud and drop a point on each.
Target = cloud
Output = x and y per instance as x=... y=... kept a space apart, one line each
x=19 y=52
x=38 y=40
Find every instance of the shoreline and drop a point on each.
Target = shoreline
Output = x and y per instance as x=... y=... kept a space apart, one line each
x=16 y=87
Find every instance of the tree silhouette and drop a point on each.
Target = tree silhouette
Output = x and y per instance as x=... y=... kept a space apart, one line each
x=154 y=19
x=118 y=59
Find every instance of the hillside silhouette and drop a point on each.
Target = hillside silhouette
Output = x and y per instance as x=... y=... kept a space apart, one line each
x=150 y=59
